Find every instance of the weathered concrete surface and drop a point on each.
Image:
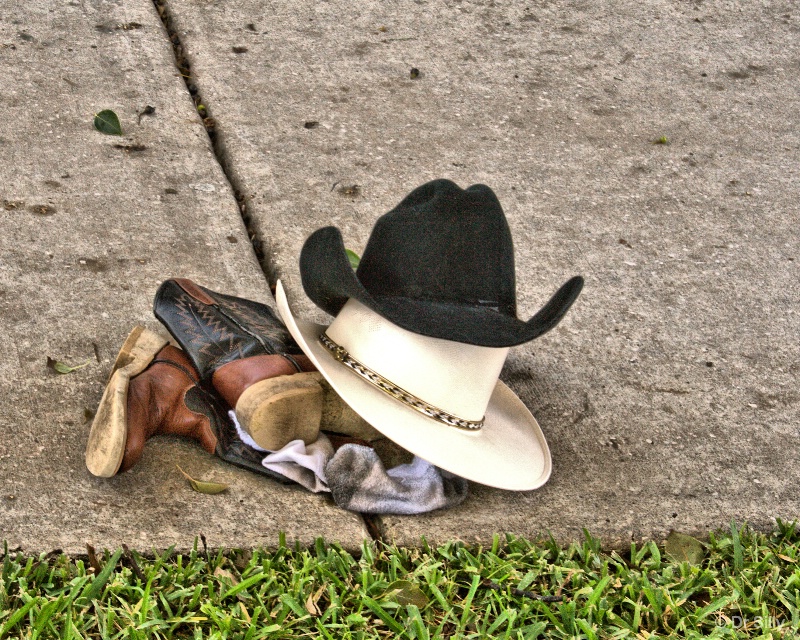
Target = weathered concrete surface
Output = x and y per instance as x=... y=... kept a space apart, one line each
x=88 y=232
x=669 y=394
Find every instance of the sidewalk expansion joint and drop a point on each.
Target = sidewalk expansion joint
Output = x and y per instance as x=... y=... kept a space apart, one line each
x=185 y=69
x=374 y=525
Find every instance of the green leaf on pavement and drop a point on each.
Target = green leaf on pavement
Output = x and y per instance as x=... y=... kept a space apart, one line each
x=352 y=256
x=210 y=488
x=60 y=367
x=107 y=122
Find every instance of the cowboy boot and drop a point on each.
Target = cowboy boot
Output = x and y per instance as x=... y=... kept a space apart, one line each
x=154 y=390
x=242 y=350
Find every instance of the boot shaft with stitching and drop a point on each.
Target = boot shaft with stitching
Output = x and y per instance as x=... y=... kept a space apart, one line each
x=216 y=329
x=243 y=350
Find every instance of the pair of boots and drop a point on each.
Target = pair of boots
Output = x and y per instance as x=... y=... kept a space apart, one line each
x=235 y=354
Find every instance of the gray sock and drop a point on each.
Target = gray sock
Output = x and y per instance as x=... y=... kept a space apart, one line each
x=359 y=482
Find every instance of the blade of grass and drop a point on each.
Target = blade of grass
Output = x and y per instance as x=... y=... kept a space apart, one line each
x=467 y=604
x=379 y=611
x=738 y=555
x=587 y=629
x=712 y=607
x=96 y=586
x=16 y=617
x=43 y=616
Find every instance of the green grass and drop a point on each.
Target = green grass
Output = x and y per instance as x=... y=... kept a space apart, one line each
x=746 y=586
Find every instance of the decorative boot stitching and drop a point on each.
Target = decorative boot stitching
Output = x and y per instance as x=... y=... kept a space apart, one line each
x=264 y=323
x=204 y=330
x=270 y=334
x=268 y=348
x=259 y=317
x=228 y=329
x=201 y=325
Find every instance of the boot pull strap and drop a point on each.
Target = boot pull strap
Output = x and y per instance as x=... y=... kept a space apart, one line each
x=292 y=361
x=195 y=291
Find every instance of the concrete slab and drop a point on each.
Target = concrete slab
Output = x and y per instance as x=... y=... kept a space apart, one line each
x=90 y=225
x=651 y=147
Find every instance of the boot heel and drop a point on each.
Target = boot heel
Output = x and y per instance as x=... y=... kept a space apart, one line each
x=278 y=410
x=108 y=434
x=337 y=416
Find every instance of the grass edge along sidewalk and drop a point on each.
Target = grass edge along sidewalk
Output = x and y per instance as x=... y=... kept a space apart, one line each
x=738 y=583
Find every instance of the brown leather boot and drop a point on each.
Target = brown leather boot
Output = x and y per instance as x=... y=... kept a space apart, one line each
x=153 y=390
x=165 y=399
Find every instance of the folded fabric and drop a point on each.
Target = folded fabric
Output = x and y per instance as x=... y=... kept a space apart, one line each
x=305 y=464
x=358 y=480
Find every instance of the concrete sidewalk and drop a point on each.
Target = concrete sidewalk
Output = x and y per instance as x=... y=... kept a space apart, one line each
x=653 y=149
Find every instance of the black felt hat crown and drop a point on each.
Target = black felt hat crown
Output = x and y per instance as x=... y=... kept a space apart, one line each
x=440 y=264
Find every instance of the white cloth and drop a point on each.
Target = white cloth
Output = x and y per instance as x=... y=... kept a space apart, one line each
x=305 y=464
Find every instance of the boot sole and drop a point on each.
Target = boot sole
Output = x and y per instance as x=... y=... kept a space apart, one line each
x=278 y=410
x=296 y=407
x=109 y=432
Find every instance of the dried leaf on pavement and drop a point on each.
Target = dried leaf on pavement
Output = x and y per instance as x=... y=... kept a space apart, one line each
x=201 y=486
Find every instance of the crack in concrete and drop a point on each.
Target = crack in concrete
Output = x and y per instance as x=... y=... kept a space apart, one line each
x=184 y=67
x=374 y=525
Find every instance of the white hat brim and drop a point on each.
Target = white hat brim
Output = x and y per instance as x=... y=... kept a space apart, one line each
x=508 y=452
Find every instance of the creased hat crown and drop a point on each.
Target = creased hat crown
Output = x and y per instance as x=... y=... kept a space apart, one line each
x=443 y=244
x=440 y=264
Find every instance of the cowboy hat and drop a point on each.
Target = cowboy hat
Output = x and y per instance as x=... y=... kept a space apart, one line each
x=422 y=329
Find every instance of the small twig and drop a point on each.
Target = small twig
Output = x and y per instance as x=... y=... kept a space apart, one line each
x=567 y=578
x=205 y=550
x=93 y=558
x=134 y=565
x=522 y=592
